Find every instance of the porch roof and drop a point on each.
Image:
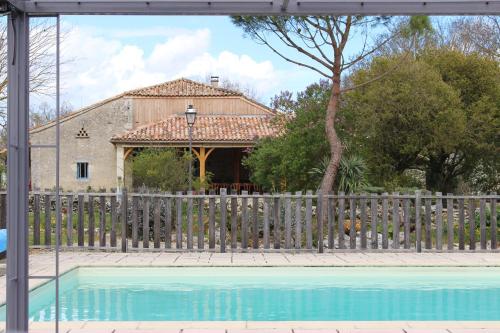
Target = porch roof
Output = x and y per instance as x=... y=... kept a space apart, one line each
x=207 y=129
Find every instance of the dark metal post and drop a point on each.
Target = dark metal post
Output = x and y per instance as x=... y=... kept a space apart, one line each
x=190 y=157
x=17 y=173
x=58 y=190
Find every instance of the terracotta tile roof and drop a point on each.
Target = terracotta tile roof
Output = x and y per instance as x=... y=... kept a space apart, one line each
x=206 y=129
x=180 y=88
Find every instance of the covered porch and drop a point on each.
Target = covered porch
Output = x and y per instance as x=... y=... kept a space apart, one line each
x=222 y=165
x=219 y=144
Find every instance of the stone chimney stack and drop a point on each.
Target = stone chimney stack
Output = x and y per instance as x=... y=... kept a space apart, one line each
x=214 y=81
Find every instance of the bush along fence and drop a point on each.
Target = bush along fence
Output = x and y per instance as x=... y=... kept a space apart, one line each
x=252 y=222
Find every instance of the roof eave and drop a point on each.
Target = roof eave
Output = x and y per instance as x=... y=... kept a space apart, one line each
x=243 y=143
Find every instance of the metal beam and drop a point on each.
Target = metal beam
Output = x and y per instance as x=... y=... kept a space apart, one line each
x=17 y=173
x=6 y=5
x=260 y=7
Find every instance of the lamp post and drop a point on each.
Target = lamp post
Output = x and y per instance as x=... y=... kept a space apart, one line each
x=190 y=119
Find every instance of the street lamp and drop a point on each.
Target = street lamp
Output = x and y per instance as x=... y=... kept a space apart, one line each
x=190 y=119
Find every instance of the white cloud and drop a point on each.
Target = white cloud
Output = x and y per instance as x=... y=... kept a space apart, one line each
x=101 y=65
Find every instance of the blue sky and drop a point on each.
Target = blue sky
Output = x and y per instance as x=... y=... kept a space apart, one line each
x=106 y=55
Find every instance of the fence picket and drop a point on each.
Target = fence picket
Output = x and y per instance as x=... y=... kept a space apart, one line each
x=341 y=220
x=493 y=222
x=331 y=221
x=449 y=221
x=178 y=220
x=81 y=220
x=255 y=221
x=385 y=220
x=418 y=221
x=58 y=233
x=48 y=221
x=319 y=219
x=168 y=221
x=124 y=218
x=145 y=221
x=482 y=223
x=69 y=221
x=244 y=220
x=288 y=220
x=201 y=226
x=135 y=222
x=298 y=220
x=309 y=239
x=189 y=208
x=36 y=219
x=461 y=224
x=439 y=221
x=102 y=221
x=352 y=225
x=266 y=220
x=406 y=223
x=211 y=220
x=114 y=221
x=428 y=221
x=364 y=217
x=396 y=225
x=156 y=222
x=374 y=220
x=91 y=221
x=277 y=222
x=223 y=219
x=234 y=221
x=472 y=224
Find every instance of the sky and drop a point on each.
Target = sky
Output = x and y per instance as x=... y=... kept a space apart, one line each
x=106 y=55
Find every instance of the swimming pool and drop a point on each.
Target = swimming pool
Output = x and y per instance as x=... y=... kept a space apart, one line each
x=271 y=294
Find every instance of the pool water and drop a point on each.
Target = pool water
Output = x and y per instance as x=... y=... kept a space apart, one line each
x=271 y=294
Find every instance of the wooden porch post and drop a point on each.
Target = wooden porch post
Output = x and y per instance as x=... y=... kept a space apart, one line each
x=202 y=156
x=120 y=167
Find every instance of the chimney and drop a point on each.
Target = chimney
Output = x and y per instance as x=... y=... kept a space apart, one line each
x=214 y=81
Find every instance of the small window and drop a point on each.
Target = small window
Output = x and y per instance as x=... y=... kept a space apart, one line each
x=82 y=170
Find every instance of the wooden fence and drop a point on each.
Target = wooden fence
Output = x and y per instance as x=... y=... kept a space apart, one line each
x=253 y=222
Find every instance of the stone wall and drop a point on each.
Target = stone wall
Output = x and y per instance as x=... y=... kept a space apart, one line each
x=100 y=122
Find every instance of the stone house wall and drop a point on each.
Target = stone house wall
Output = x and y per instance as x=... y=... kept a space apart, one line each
x=100 y=122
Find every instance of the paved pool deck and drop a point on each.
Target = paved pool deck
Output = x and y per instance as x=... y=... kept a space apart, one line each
x=42 y=264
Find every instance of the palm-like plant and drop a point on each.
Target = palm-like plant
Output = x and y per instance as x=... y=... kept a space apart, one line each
x=352 y=173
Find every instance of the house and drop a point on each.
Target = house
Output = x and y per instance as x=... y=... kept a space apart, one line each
x=97 y=142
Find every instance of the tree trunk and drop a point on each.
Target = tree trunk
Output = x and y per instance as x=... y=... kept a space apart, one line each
x=333 y=139
x=335 y=150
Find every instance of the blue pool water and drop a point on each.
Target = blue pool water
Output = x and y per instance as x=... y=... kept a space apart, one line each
x=271 y=294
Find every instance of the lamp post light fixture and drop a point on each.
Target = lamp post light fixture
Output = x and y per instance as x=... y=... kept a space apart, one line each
x=190 y=119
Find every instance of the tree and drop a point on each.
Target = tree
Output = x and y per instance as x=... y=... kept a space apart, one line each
x=298 y=158
x=42 y=64
x=283 y=163
x=46 y=113
x=161 y=169
x=320 y=43
x=476 y=79
x=478 y=34
x=438 y=113
x=410 y=34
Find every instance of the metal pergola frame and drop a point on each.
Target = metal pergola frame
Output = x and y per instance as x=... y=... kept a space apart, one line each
x=19 y=12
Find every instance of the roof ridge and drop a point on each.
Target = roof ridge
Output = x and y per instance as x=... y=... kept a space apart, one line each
x=138 y=91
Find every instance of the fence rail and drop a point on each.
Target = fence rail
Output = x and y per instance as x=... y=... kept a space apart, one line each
x=249 y=222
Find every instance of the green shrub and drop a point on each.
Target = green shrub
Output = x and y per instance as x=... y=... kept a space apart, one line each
x=162 y=169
